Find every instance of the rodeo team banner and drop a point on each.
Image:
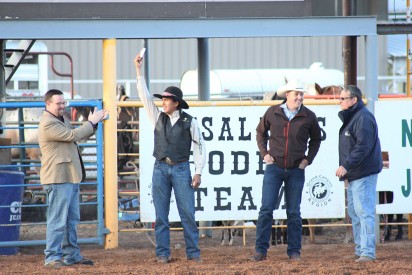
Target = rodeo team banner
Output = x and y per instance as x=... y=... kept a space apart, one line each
x=395 y=132
x=232 y=178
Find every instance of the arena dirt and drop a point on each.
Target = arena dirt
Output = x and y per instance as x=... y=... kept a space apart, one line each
x=135 y=255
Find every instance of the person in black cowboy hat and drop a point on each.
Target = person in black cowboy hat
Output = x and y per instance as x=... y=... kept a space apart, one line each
x=175 y=133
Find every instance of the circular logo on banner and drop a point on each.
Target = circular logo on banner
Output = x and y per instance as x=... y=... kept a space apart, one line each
x=15 y=207
x=319 y=189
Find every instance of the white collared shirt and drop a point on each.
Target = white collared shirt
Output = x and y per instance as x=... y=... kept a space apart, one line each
x=288 y=112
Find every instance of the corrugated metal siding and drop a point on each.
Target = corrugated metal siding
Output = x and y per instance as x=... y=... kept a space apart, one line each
x=170 y=58
x=87 y=65
x=275 y=52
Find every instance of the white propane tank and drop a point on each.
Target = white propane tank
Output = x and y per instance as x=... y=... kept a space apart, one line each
x=256 y=82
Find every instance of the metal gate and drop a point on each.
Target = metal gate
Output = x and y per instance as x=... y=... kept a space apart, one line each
x=33 y=198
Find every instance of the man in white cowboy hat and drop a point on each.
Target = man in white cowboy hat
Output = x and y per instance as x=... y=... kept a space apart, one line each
x=284 y=134
x=175 y=133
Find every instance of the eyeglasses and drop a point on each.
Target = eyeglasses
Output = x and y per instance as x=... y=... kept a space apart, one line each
x=64 y=103
x=344 y=98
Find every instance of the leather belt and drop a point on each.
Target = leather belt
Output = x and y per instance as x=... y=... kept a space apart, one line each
x=168 y=161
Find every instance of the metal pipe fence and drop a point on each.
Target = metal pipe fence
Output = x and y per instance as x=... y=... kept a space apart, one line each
x=33 y=182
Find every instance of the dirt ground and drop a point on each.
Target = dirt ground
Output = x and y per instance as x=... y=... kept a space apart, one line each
x=135 y=255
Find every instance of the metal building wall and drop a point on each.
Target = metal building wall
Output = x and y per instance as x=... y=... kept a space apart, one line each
x=170 y=58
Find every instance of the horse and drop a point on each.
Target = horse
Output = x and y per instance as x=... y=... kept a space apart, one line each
x=124 y=116
x=280 y=236
x=387 y=197
x=125 y=137
x=229 y=233
x=31 y=118
x=30 y=115
x=330 y=90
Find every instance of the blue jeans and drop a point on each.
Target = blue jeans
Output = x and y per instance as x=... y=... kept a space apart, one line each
x=361 y=209
x=272 y=182
x=178 y=177
x=63 y=215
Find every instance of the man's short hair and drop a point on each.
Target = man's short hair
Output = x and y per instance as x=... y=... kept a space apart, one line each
x=51 y=93
x=354 y=91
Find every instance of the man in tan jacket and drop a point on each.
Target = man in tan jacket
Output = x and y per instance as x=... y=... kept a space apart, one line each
x=61 y=172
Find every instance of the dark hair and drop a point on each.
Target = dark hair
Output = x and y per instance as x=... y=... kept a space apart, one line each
x=179 y=106
x=177 y=92
x=354 y=91
x=51 y=93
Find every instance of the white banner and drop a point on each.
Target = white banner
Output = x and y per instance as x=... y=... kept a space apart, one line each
x=232 y=178
x=395 y=132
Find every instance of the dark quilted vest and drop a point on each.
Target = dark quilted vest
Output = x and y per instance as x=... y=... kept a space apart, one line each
x=173 y=142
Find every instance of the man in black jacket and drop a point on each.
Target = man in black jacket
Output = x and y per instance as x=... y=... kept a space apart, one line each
x=360 y=160
x=284 y=134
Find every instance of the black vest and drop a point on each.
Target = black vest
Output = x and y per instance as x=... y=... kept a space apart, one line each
x=173 y=142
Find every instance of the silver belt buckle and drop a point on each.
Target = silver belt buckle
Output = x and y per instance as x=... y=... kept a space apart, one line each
x=169 y=161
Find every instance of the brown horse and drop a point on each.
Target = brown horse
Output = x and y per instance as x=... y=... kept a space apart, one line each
x=331 y=90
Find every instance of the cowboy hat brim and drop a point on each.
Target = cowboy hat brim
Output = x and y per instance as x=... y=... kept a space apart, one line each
x=281 y=91
x=182 y=103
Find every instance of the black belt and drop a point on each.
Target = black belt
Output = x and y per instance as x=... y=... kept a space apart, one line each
x=168 y=161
